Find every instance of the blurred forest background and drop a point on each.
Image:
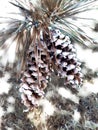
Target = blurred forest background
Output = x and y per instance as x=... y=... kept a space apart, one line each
x=63 y=108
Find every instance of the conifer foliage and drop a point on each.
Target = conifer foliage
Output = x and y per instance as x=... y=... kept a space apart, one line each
x=43 y=43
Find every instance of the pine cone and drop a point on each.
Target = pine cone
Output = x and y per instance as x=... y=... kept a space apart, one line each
x=35 y=77
x=63 y=54
x=66 y=60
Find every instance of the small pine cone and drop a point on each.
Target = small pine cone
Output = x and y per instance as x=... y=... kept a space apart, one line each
x=35 y=77
x=66 y=62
